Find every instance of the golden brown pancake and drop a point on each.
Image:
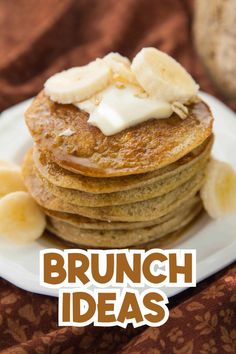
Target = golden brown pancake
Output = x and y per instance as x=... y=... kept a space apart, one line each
x=140 y=149
x=165 y=242
x=67 y=179
x=149 y=191
x=121 y=238
x=140 y=211
x=82 y=222
x=168 y=241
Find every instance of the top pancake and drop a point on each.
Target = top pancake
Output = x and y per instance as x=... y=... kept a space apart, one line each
x=142 y=148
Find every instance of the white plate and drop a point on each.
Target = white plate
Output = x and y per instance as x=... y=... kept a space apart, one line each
x=215 y=241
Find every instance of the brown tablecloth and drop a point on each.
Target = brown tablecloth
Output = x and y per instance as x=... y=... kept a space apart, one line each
x=202 y=321
x=38 y=38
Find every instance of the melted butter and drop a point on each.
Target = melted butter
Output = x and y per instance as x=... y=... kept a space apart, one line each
x=120 y=108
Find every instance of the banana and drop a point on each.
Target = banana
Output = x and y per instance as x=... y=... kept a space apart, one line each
x=121 y=68
x=21 y=219
x=79 y=83
x=113 y=58
x=10 y=179
x=122 y=77
x=162 y=77
x=219 y=191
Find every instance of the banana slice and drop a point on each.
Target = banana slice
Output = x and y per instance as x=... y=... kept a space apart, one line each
x=121 y=68
x=10 y=179
x=114 y=58
x=163 y=77
x=219 y=191
x=79 y=83
x=21 y=219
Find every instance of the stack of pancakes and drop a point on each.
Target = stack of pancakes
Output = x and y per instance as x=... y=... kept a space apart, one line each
x=132 y=189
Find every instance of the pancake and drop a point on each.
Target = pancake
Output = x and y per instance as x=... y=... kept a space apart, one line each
x=148 y=191
x=167 y=241
x=120 y=238
x=145 y=147
x=67 y=179
x=140 y=211
x=148 y=209
x=82 y=222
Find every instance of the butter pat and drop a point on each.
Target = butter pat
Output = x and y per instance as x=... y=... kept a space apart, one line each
x=120 y=109
x=87 y=105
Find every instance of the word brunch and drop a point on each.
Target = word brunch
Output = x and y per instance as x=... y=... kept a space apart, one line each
x=115 y=287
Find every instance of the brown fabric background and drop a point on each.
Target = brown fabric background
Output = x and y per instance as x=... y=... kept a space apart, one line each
x=39 y=38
